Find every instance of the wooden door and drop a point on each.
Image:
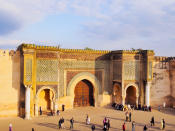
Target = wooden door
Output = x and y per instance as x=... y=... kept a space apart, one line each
x=83 y=94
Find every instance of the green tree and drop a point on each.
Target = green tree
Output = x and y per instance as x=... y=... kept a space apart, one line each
x=87 y=48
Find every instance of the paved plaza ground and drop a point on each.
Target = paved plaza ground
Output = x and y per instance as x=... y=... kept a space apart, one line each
x=97 y=114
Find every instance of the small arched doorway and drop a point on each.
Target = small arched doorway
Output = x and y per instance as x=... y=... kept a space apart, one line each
x=130 y=95
x=117 y=94
x=45 y=100
x=84 y=94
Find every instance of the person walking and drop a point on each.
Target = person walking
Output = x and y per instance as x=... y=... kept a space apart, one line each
x=152 y=121
x=162 y=124
x=133 y=126
x=62 y=122
x=108 y=124
x=87 y=120
x=129 y=116
x=58 y=112
x=10 y=127
x=104 y=121
x=93 y=127
x=40 y=110
x=59 y=124
x=105 y=128
x=145 y=128
x=159 y=108
x=63 y=107
x=123 y=126
x=71 y=123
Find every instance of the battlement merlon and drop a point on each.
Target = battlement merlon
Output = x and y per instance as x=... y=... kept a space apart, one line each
x=8 y=52
x=163 y=59
x=148 y=52
x=57 y=48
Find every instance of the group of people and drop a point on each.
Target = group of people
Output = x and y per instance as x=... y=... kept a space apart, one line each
x=152 y=123
x=131 y=107
x=144 y=108
x=162 y=123
x=128 y=116
x=52 y=112
x=106 y=124
x=61 y=123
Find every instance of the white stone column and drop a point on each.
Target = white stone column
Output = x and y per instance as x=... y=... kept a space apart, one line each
x=55 y=107
x=137 y=101
x=123 y=100
x=27 y=102
x=148 y=84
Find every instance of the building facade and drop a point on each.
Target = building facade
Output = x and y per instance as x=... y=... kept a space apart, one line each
x=34 y=77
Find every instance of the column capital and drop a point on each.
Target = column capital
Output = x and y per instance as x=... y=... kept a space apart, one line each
x=149 y=82
x=123 y=96
x=27 y=86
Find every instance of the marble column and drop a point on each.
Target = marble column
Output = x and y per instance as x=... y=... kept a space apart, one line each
x=148 y=93
x=27 y=102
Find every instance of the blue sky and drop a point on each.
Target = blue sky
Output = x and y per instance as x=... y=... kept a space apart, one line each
x=99 y=24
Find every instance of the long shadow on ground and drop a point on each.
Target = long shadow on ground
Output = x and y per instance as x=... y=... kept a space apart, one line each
x=53 y=126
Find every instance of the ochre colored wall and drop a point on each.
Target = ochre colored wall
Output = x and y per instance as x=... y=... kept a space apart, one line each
x=163 y=85
x=9 y=83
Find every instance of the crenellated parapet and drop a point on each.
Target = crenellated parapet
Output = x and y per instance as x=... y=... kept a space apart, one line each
x=85 y=51
x=163 y=59
x=150 y=52
x=57 y=48
x=8 y=53
x=4 y=52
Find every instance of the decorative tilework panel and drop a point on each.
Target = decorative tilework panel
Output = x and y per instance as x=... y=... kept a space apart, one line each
x=83 y=66
x=117 y=70
x=28 y=70
x=47 y=70
x=131 y=70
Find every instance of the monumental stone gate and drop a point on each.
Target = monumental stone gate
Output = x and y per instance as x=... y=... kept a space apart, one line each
x=44 y=77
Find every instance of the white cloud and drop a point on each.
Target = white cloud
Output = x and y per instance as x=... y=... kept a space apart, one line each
x=142 y=23
x=10 y=42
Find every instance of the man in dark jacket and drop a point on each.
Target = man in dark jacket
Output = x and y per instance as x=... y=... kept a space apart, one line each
x=71 y=123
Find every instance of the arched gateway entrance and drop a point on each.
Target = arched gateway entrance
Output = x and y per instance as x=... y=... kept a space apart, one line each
x=84 y=94
x=89 y=78
x=45 y=99
x=131 y=95
x=117 y=94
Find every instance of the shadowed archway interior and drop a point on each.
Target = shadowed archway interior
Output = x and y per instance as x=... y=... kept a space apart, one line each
x=131 y=95
x=117 y=94
x=45 y=99
x=84 y=94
